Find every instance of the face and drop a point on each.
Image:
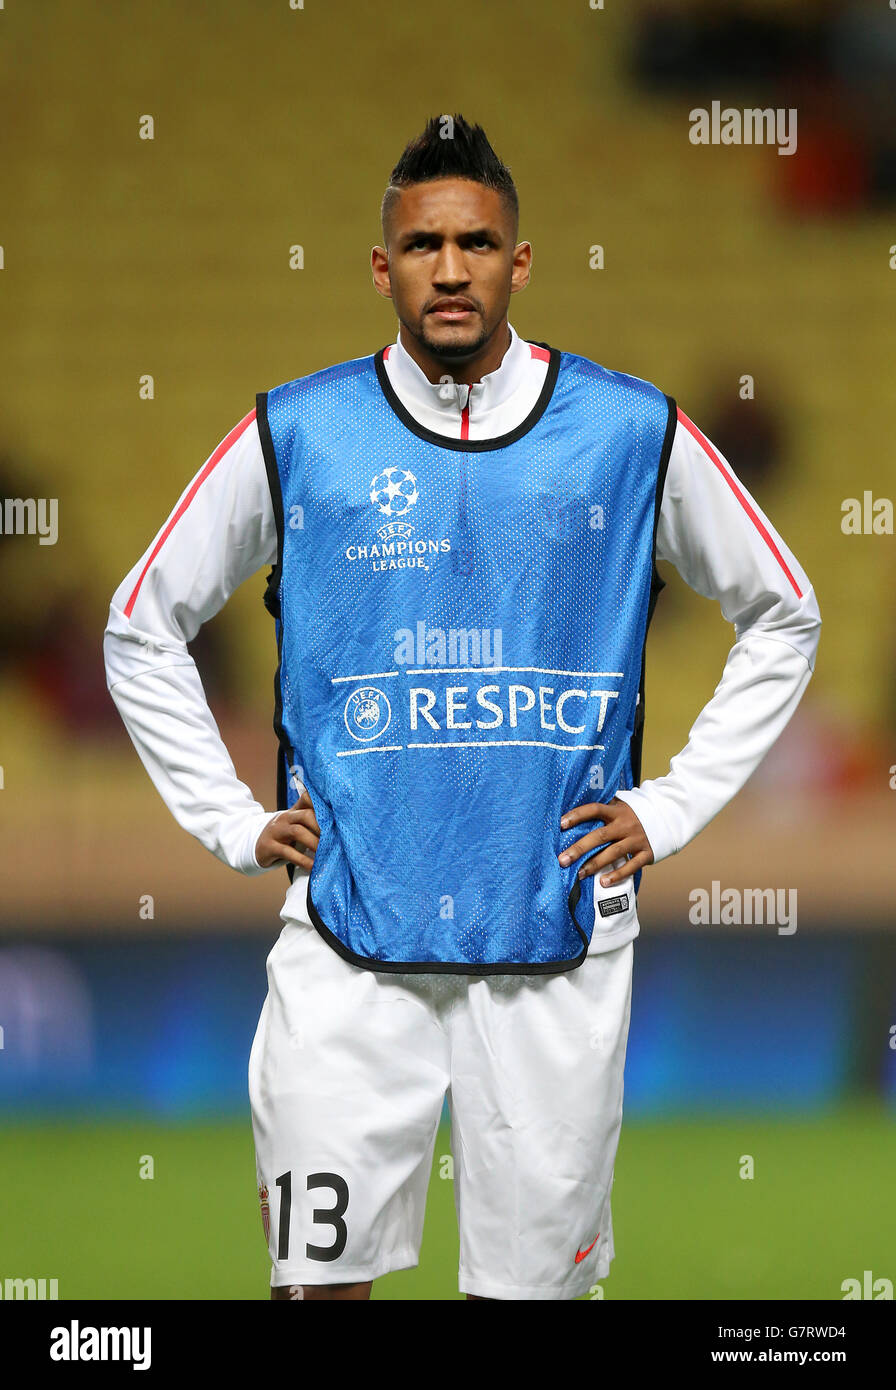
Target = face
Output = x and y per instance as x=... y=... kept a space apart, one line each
x=451 y=266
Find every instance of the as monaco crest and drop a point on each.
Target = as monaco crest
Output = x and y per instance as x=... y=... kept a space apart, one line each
x=265 y=1211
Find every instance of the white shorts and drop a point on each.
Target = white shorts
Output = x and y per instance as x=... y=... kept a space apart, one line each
x=347 y=1078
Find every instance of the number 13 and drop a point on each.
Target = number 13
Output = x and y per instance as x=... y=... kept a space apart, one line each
x=328 y=1216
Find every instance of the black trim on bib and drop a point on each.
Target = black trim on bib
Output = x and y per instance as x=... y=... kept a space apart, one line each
x=477 y=446
x=439 y=967
x=272 y=601
x=656 y=585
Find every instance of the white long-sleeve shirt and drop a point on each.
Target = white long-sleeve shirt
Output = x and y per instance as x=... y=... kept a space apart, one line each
x=222 y=530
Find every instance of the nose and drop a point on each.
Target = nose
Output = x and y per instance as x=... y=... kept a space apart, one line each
x=450 y=271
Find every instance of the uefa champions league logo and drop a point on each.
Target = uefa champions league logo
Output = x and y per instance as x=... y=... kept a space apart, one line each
x=394 y=491
x=367 y=713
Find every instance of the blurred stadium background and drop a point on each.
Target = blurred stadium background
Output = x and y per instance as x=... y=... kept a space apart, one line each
x=126 y=1035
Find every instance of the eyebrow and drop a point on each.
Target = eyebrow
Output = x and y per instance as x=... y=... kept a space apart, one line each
x=422 y=234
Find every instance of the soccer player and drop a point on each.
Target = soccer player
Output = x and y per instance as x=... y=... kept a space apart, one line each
x=462 y=531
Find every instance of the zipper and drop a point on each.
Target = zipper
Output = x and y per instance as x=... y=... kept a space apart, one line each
x=463 y=557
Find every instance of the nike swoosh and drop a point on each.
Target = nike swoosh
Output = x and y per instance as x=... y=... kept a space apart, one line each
x=580 y=1254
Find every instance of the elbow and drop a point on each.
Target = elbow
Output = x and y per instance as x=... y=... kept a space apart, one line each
x=813 y=634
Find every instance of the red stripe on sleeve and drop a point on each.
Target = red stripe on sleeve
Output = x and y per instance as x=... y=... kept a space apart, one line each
x=540 y=353
x=732 y=483
x=212 y=463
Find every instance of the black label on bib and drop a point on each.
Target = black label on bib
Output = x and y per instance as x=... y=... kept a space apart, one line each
x=609 y=906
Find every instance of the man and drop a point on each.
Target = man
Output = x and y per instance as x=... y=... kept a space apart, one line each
x=462 y=532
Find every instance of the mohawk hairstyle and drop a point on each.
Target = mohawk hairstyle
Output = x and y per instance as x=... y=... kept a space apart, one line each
x=450 y=148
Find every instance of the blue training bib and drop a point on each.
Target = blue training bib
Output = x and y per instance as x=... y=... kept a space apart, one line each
x=460 y=629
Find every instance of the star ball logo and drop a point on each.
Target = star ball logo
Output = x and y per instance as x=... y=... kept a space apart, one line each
x=394 y=491
x=367 y=713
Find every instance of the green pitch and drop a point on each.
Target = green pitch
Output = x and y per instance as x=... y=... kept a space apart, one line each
x=820 y=1208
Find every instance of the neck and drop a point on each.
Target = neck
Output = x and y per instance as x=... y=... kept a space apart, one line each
x=464 y=371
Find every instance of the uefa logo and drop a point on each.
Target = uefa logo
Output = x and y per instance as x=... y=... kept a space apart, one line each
x=367 y=713
x=394 y=491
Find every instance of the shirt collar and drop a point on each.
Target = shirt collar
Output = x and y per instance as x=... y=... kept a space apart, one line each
x=419 y=395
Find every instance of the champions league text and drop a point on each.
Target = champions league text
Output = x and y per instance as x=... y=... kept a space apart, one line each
x=402 y=554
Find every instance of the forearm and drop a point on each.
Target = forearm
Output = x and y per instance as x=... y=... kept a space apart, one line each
x=761 y=686
x=172 y=728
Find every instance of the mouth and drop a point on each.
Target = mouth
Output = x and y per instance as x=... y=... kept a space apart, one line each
x=452 y=311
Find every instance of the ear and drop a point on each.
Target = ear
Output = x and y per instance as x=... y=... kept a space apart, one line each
x=379 y=266
x=522 y=267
